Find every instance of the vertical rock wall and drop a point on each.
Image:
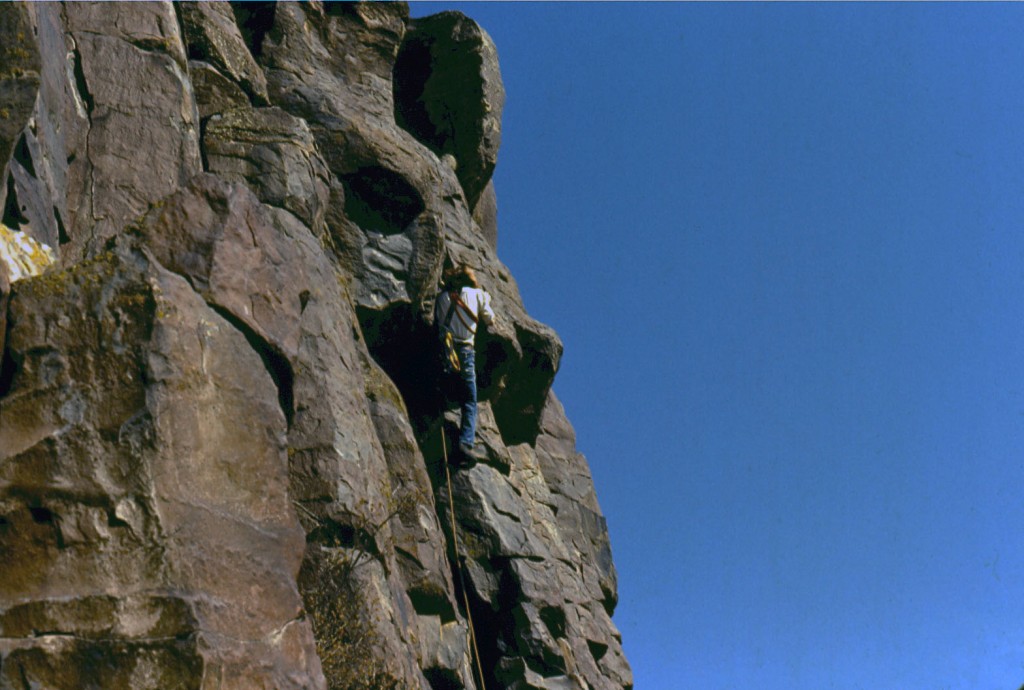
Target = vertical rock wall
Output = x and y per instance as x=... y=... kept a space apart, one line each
x=221 y=434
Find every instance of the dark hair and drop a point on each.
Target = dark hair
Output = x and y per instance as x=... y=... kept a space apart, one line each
x=458 y=277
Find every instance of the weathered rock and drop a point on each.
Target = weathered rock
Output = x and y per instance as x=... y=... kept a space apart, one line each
x=222 y=452
x=274 y=153
x=54 y=136
x=485 y=215
x=449 y=94
x=405 y=211
x=20 y=257
x=212 y=35
x=264 y=271
x=143 y=454
x=143 y=130
x=572 y=497
x=29 y=206
x=214 y=92
x=20 y=65
x=538 y=560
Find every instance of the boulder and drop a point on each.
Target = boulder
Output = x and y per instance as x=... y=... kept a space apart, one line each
x=449 y=94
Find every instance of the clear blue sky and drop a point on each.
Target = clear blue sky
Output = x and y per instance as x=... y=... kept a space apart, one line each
x=783 y=245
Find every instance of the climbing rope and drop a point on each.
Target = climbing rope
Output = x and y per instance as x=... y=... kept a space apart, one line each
x=458 y=564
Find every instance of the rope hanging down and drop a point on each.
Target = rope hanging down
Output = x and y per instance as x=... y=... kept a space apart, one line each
x=458 y=565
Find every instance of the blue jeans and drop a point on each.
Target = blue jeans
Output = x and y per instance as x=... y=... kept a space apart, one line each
x=467 y=393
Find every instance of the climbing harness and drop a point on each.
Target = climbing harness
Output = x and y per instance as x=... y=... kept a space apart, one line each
x=451 y=356
x=458 y=565
x=456 y=299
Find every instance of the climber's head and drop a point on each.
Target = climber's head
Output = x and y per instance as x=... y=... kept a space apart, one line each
x=458 y=277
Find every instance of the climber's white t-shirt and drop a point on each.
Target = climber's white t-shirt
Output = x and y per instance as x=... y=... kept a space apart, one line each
x=462 y=327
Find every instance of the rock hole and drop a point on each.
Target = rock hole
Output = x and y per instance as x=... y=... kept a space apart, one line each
x=274 y=362
x=192 y=52
x=429 y=603
x=114 y=521
x=406 y=349
x=23 y=155
x=41 y=516
x=14 y=216
x=379 y=200
x=554 y=620
x=528 y=381
x=493 y=622
x=597 y=649
x=333 y=535
x=340 y=9
x=443 y=679
x=202 y=145
x=303 y=300
x=254 y=20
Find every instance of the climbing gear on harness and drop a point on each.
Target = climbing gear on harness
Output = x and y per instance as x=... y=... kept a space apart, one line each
x=458 y=564
x=456 y=307
x=451 y=355
x=463 y=309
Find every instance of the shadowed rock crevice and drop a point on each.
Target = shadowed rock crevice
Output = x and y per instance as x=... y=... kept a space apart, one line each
x=14 y=212
x=22 y=155
x=442 y=679
x=82 y=86
x=380 y=200
x=211 y=35
x=274 y=361
x=254 y=19
x=405 y=348
x=62 y=231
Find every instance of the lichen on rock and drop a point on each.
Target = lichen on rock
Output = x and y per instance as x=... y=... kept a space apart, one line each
x=22 y=257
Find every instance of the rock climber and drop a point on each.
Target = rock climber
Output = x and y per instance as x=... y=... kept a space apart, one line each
x=460 y=307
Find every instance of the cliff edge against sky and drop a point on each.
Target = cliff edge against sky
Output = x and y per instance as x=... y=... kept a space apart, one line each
x=221 y=435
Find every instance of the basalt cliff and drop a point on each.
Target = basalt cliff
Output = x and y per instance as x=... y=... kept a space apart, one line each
x=222 y=435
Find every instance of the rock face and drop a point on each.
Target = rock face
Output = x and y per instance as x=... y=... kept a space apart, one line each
x=222 y=439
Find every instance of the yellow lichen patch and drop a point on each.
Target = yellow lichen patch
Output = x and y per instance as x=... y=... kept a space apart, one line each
x=23 y=255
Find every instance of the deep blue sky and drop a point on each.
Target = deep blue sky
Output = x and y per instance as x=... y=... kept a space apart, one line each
x=783 y=245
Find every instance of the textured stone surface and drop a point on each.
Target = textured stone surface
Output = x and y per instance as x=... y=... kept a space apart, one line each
x=20 y=65
x=274 y=154
x=214 y=92
x=142 y=140
x=143 y=460
x=485 y=215
x=449 y=94
x=212 y=35
x=222 y=427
